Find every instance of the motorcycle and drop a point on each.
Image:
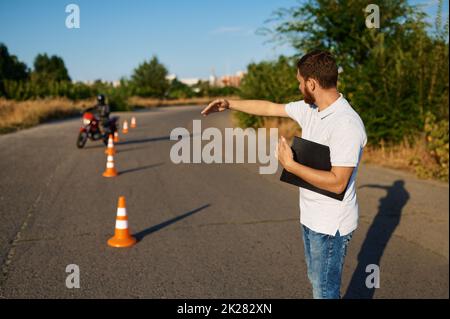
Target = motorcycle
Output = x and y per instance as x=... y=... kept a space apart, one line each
x=90 y=129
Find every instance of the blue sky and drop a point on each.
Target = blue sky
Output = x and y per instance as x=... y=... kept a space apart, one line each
x=189 y=37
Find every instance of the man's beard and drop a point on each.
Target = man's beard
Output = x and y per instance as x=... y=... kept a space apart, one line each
x=308 y=97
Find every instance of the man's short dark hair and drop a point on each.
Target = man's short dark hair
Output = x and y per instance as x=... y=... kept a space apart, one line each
x=321 y=66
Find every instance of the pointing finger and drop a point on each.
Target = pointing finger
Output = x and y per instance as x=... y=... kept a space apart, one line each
x=207 y=109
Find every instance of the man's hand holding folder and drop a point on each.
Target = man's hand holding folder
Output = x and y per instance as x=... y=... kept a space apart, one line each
x=284 y=153
x=332 y=183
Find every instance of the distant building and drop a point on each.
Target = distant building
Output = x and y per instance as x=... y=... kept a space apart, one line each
x=187 y=81
x=190 y=81
x=171 y=77
x=213 y=80
x=231 y=80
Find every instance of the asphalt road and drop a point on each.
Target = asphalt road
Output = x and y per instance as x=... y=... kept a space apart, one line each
x=204 y=231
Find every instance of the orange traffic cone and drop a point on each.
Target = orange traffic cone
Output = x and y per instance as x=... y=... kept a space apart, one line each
x=116 y=137
x=122 y=237
x=110 y=150
x=133 y=122
x=110 y=169
x=125 y=127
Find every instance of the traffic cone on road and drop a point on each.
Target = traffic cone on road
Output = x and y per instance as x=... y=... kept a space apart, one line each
x=133 y=122
x=125 y=127
x=122 y=237
x=110 y=150
x=116 y=137
x=110 y=169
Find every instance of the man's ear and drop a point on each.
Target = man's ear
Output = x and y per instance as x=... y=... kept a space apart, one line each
x=311 y=83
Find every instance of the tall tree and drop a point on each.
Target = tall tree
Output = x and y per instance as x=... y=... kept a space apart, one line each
x=11 y=69
x=149 y=79
x=49 y=69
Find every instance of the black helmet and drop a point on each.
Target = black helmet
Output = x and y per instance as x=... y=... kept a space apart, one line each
x=101 y=99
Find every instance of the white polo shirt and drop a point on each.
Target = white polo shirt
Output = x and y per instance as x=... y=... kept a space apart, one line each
x=340 y=128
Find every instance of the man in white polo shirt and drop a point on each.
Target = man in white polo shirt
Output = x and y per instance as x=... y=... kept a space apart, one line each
x=327 y=118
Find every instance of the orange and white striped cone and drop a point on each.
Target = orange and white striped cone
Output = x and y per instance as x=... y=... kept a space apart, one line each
x=110 y=150
x=122 y=237
x=110 y=169
x=133 y=122
x=116 y=137
x=125 y=127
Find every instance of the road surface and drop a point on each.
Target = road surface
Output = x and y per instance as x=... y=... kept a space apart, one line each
x=204 y=231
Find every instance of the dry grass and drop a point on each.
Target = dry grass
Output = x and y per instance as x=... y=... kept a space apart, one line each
x=16 y=115
x=414 y=158
x=141 y=102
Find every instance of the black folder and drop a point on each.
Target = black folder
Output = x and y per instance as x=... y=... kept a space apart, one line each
x=313 y=155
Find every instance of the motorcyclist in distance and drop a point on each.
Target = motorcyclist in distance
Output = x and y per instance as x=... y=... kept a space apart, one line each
x=102 y=111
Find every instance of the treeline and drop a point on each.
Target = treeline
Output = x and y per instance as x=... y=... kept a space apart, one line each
x=49 y=78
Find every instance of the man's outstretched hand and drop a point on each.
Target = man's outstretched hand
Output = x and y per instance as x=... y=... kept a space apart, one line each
x=216 y=106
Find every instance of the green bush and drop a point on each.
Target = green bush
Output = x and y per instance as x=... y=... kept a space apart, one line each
x=268 y=80
x=179 y=90
x=117 y=99
x=437 y=137
x=247 y=120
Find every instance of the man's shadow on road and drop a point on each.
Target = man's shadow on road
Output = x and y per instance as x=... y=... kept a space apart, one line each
x=139 y=236
x=387 y=219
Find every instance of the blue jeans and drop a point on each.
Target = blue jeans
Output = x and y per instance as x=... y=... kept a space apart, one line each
x=324 y=256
